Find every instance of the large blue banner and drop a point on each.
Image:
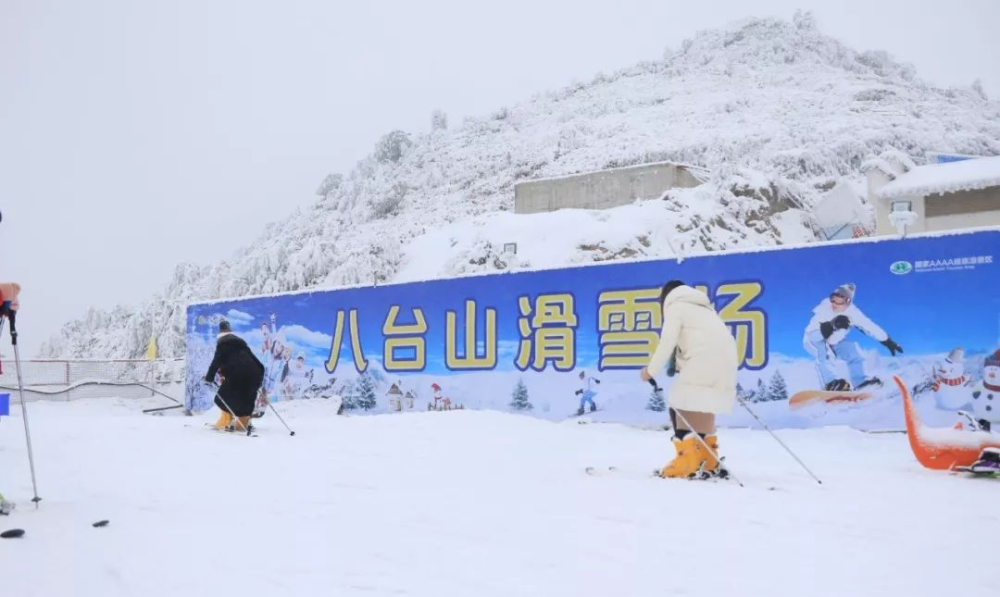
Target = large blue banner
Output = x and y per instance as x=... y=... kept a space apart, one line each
x=923 y=308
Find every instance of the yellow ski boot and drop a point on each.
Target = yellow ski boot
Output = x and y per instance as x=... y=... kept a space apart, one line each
x=690 y=458
x=223 y=421
x=240 y=424
x=711 y=462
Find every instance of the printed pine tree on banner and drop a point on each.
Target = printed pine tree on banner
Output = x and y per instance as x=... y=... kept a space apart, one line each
x=656 y=402
x=349 y=396
x=778 y=390
x=365 y=392
x=519 y=399
x=760 y=394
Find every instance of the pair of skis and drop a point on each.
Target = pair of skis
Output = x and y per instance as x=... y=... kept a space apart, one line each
x=720 y=474
x=7 y=507
x=988 y=464
x=17 y=533
x=250 y=431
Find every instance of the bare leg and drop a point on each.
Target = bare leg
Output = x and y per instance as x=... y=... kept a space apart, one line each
x=703 y=423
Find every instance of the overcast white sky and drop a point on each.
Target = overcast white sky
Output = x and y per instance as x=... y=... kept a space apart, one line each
x=135 y=135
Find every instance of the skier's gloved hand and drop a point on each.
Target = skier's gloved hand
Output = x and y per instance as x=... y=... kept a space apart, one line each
x=597 y=381
x=8 y=295
x=826 y=328
x=892 y=346
x=841 y=322
x=578 y=392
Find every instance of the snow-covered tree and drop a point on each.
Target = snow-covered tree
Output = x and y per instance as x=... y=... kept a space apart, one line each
x=977 y=86
x=331 y=183
x=804 y=19
x=519 y=398
x=439 y=120
x=392 y=146
x=388 y=203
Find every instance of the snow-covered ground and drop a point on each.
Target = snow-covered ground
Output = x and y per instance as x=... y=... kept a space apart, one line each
x=472 y=503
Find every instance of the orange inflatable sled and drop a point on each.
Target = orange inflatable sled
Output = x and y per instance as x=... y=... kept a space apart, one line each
x=942 y=448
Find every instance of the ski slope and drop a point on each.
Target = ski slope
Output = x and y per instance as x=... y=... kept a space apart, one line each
x=472 y=504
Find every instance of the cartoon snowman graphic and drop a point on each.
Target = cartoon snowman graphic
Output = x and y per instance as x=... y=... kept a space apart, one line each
x=949 y=381
x=986 y=394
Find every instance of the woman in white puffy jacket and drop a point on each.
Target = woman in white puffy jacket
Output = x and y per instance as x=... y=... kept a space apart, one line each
x=706 y=363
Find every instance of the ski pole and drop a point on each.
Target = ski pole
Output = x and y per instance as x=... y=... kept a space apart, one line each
x=12 y=314
x=762 y=424
x=231 y=413
x=275 y=411
x=154 y=410
x=697 y=436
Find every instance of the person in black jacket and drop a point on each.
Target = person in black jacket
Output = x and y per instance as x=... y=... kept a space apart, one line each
x=242 y=375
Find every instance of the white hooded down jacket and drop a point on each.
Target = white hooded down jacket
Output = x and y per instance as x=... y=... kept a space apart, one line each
x=706 y=355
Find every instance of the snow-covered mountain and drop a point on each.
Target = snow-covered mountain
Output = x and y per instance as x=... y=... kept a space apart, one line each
x=776 y=111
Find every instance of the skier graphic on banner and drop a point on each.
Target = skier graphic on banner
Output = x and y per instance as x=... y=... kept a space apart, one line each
x=587 y=392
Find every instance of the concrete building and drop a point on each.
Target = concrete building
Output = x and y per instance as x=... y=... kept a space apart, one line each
x=604 y=189
x=938 y=196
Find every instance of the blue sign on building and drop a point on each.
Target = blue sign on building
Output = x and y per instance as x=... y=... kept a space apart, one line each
x=946 y=158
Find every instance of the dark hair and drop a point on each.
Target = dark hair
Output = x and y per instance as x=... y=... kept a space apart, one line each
x=224 y=326
x=667 y=288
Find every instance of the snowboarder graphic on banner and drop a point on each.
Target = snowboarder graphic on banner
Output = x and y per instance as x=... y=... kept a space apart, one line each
x=587 y=392
x=949 y=381
x=826 y=340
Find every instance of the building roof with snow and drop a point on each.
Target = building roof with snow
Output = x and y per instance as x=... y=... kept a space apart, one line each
x=966 y=175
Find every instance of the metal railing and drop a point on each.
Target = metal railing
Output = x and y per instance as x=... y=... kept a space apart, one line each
x=73 y=379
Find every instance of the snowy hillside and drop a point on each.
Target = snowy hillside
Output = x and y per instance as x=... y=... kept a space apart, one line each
x=776 y=111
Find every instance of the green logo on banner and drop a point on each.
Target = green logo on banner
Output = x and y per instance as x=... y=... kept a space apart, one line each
x=901 y=267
